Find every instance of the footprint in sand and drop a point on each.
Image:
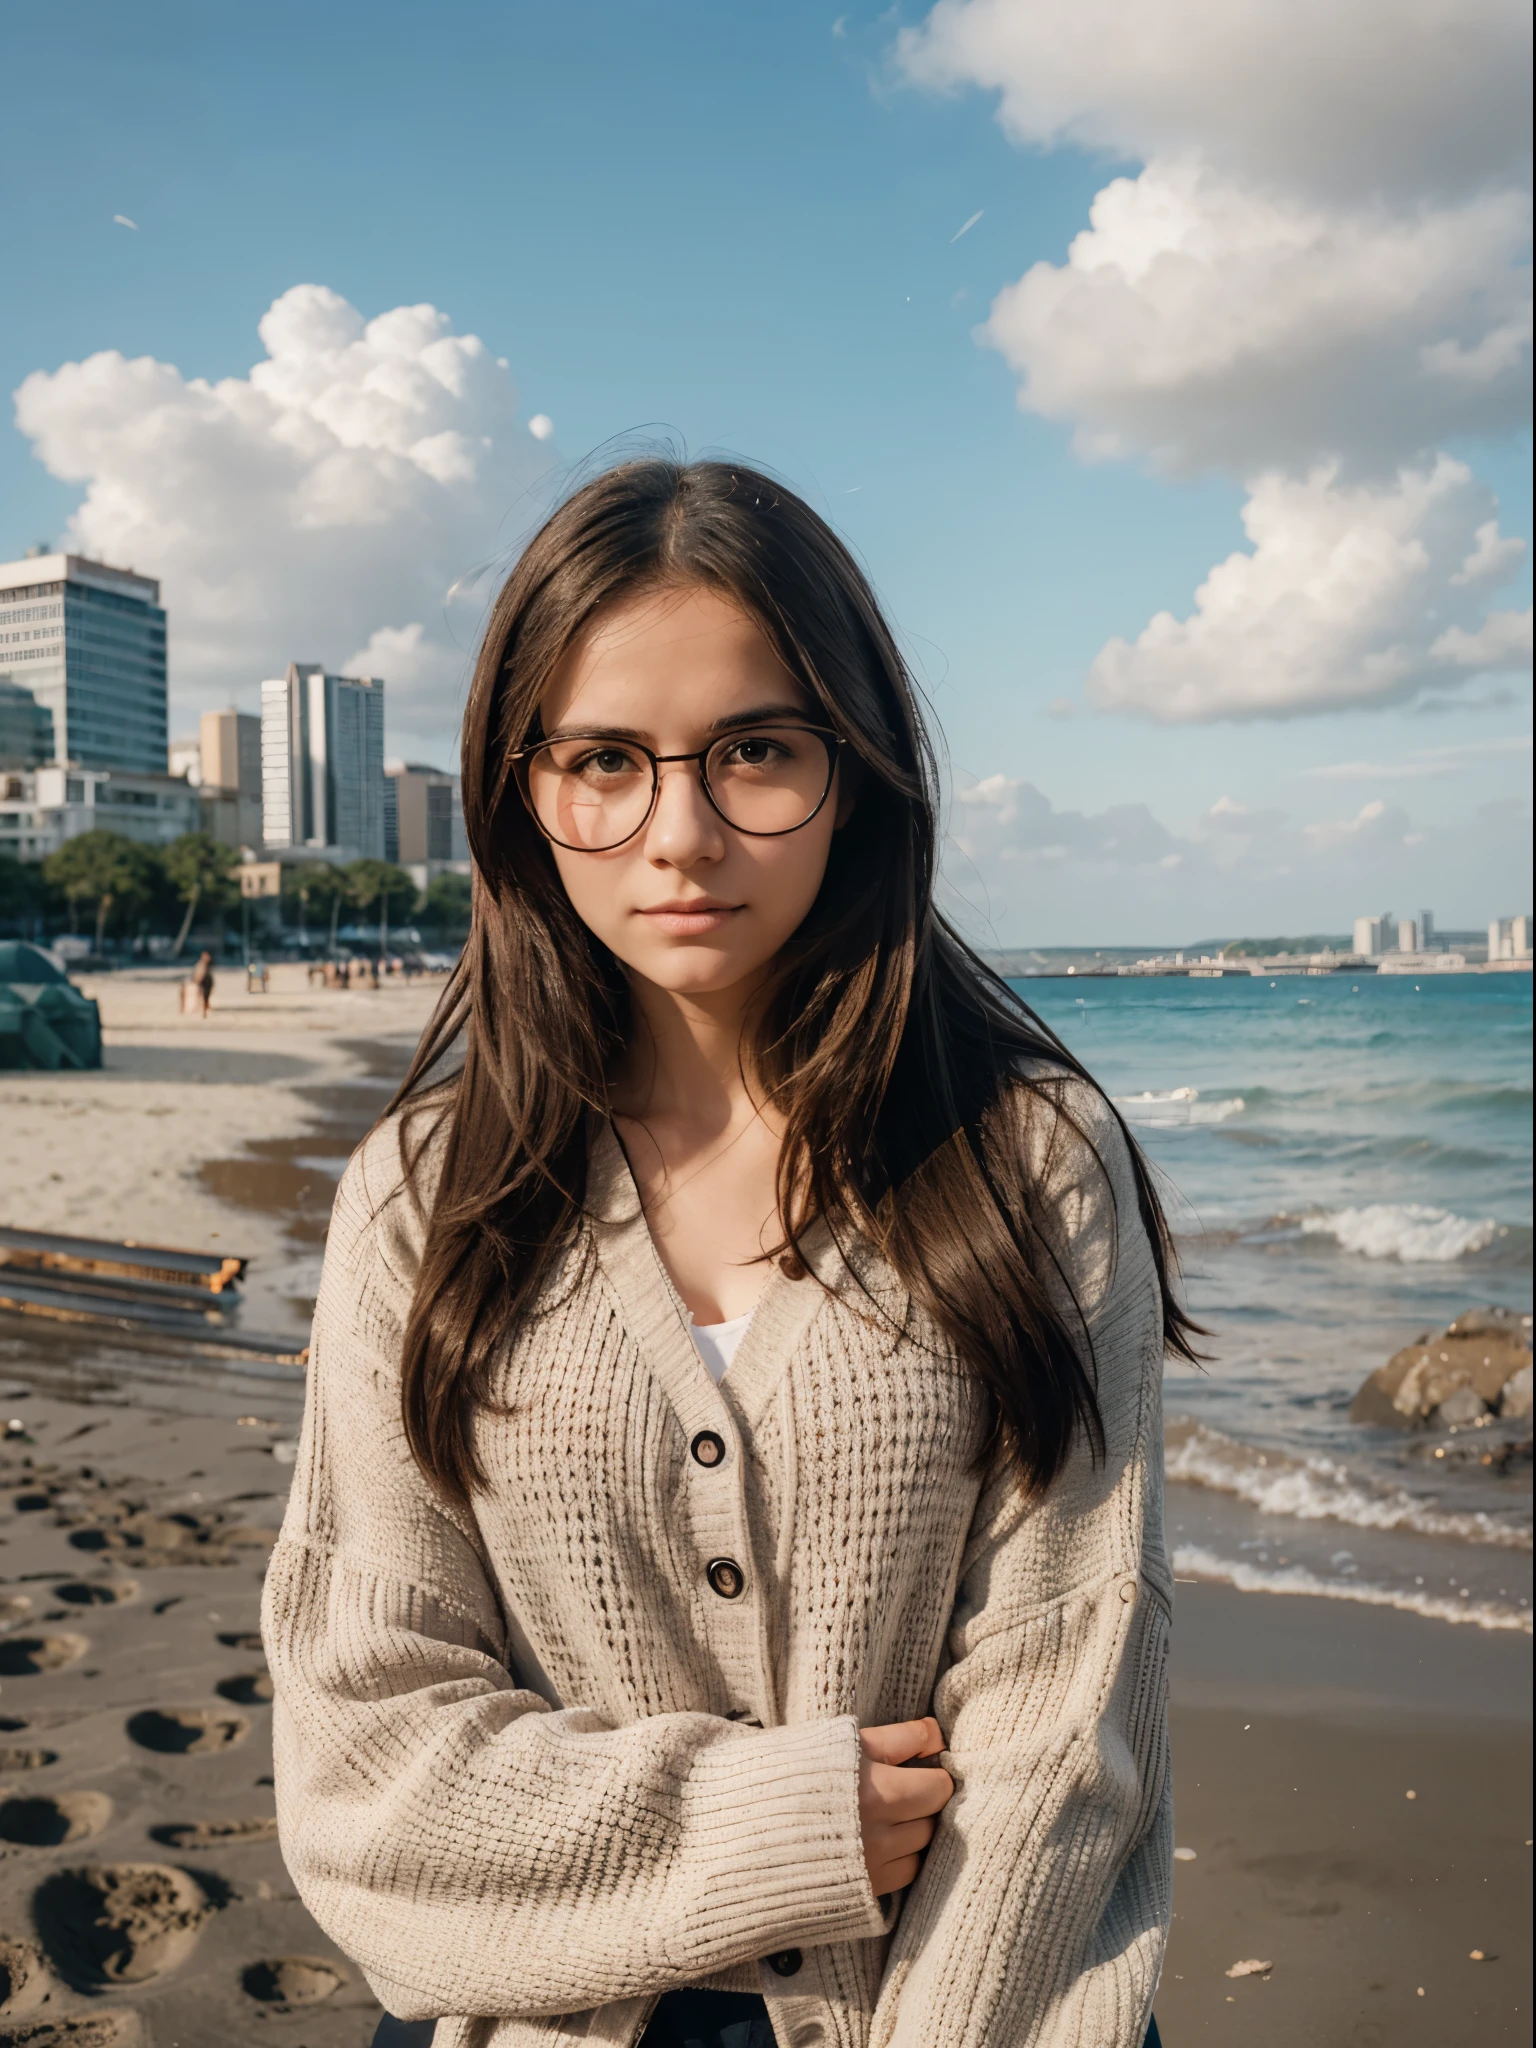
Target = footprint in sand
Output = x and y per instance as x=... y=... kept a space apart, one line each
x=96 y=2030
x=289 y=1981
x=247 y=1689
x=44 y=1822
x=23 y=1977
x=119 y=1923
x=98 y=1592
x=187 y=1731
x=215 y=1834
x=241 y=1639
x=27 y=1655
x=27 y=1759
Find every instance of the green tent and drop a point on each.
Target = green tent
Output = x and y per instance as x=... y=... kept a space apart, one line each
x=44 y=1020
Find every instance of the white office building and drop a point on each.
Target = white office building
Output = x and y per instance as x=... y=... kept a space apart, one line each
x=42 y=807
x=322 y=762
x=87 y=643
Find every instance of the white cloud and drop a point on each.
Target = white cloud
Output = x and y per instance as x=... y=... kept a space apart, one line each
x=1423 y=763
x=1394 y=95
x=1319 y=275
x=324 y=503
x=1212 y=324
x=1352 y=595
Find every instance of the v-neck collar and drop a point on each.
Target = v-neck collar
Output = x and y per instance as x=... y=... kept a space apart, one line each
x=658 y=1317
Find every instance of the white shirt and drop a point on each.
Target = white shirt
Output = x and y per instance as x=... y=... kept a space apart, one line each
x=718 y=1343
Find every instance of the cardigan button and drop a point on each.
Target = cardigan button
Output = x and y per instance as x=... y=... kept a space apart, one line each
x=786 y=1963
x=727 y=1577
x=707 y=1448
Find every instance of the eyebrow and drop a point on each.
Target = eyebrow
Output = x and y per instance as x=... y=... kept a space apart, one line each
x=733 y=721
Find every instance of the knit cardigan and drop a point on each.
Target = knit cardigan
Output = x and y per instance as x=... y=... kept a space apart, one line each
x=539 y=1761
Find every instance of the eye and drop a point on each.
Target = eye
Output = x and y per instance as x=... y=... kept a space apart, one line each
x=755 y=750
x=600 y=763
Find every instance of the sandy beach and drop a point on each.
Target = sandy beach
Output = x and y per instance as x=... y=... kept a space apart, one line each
x=1354 y=1783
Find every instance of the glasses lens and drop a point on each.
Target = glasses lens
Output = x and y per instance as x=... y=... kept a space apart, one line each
x=589 y=794
x=770 y=779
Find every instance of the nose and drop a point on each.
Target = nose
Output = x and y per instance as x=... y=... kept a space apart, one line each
x=684 y=827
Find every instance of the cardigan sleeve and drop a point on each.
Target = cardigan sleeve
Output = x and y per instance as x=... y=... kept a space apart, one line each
x=477 y=1850
x=1041 y=1911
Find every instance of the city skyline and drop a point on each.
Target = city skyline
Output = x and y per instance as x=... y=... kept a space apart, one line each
x=1190 y=459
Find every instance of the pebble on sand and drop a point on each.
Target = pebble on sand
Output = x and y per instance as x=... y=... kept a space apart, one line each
x=1252 y=1968
x=1183 y=1855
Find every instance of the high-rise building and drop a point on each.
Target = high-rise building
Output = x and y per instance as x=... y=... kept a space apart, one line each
x=1408 y=940
x=322 y=761
x=1426 y=929
x=229 y=776
x=423 y=817
x=87 y=642
x=26 y=728
x=1509 y=938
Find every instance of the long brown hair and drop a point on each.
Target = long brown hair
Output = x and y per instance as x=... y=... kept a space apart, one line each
x=883 y=1040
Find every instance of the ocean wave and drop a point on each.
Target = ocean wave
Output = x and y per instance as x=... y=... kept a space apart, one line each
x=1193 y=1561
x=1410 y=1232
x=1315 y=1489
x=1165 y=1107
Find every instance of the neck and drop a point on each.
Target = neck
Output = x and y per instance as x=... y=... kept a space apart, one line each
x=688 y=1058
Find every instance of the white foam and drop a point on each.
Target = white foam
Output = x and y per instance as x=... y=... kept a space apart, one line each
x=1192 y=1561
x=1161 y=1107
x=1408 y=1231
x=1315 y=1489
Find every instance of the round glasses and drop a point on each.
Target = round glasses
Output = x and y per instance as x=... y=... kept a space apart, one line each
x=592 y=794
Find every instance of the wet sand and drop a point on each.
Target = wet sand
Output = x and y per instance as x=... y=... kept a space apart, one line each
x=134 y=1727
x=1300 y=1727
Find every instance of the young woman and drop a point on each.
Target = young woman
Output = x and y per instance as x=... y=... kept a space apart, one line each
x=723 y=1595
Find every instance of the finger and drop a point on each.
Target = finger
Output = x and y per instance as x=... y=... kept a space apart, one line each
x=906 y=1838
x=894 y=1877
x=888 y=1793
x=894 y=1741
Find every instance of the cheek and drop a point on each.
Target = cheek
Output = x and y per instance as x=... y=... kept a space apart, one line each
x=788 y=872
x=594 y=882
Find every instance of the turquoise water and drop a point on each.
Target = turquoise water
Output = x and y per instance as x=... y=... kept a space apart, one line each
x=1348 y=1163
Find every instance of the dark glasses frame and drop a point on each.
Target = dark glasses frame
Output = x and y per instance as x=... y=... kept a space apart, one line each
x=831 y=740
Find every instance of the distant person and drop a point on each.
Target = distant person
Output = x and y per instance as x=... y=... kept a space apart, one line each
x=734 y=1403
x=201 y=983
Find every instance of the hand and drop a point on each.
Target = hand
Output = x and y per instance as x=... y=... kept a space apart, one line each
x=897 y=1806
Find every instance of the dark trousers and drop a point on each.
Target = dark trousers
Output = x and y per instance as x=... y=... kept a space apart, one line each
x=684 y=2019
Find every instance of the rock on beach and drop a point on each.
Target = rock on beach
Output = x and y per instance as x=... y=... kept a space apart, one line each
x=1478 y=1365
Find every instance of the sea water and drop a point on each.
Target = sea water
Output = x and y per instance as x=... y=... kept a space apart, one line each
x=1347 y=1165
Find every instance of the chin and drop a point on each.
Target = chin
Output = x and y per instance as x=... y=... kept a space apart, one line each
x=695 y=971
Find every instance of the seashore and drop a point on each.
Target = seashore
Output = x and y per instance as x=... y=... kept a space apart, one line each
x=142 y=1895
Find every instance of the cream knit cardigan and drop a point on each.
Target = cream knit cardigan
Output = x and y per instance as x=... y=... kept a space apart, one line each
x=533 y=1770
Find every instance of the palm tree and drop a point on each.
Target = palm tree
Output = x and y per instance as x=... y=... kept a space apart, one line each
x=377 y=881
x=199 y=870
x=104 y=867
x=314 y=881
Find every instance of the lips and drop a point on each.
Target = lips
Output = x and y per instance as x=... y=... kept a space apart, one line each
x=690 y=919
x=691 y=906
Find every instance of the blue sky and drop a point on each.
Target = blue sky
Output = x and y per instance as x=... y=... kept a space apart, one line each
x=737 y=226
